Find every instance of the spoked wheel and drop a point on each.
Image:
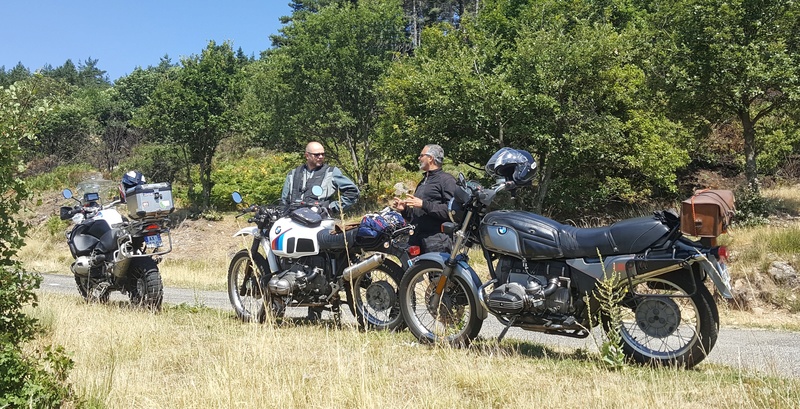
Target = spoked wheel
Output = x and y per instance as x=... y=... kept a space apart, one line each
x=244 y=287
x=453 y=319
x=377 y=303
x=664 y=325
x=144 y=286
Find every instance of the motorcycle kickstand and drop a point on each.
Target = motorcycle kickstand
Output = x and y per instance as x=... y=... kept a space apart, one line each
x=337 y=315
x=505 y=330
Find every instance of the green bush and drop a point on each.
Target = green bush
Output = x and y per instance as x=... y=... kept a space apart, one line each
x=60 y=178
x=259 y=179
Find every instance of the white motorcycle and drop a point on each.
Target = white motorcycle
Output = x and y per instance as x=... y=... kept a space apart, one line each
x=296 y=259
x=114 y=253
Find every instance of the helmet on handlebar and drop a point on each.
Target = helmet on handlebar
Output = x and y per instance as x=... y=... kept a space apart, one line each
x=513 y=165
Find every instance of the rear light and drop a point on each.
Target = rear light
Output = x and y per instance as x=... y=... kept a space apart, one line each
x=721 y=253
x=413 y=251
x=151 y=229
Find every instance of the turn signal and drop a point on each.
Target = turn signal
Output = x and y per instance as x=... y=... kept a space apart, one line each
x=413 y=251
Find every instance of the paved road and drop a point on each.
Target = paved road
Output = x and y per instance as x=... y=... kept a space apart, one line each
x=768 y=352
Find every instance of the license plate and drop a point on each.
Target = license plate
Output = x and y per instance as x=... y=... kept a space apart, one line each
x=153 y=241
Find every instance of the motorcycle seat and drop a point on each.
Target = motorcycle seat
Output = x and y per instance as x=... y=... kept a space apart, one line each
x=541 y=238
x=334 y=241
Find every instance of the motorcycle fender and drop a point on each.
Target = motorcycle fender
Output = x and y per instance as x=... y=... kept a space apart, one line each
x=461 y=269
x=719 y=274
x=247 y=231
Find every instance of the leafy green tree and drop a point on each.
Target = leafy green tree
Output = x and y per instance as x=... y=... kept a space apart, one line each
x=18 y=73
x=322 y=80
x=197 y=108
x=25 y=379
x=725 y=59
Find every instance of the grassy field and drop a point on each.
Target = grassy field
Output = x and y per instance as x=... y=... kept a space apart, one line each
x=192 y=357
x=189 y=356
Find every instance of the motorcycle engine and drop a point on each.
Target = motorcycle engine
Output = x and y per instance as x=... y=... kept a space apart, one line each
x=540 y=288
x=306 y=276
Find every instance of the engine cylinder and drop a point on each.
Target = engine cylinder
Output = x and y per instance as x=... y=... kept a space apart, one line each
x=81 y=266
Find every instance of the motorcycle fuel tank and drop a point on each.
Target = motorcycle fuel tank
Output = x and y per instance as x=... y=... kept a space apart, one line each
x=290 y=239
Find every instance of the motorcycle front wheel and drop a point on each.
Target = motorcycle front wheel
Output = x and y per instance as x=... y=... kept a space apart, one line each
x=452 y=319
x=376 y=300
x=144 y=284
x=669 y=322
x=244 y=287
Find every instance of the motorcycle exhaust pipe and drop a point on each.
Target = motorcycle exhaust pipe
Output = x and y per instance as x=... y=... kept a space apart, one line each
x=357 y=270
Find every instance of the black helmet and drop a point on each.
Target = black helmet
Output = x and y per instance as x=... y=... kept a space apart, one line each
x=513 y=165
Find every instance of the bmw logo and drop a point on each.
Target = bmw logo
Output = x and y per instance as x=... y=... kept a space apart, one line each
x=502 y=230
x=278 y=230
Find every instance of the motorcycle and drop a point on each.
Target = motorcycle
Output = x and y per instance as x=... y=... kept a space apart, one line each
x=544 y=276
x=297 y=260
x=115 y=253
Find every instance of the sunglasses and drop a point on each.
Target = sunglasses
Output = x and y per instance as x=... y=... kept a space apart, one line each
x=316 y=155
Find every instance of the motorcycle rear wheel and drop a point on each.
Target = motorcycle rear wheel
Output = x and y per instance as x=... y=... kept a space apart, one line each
x=453 y=320
x=376 y=301
x=665 y=326
x=244 y=287
x=144 y=286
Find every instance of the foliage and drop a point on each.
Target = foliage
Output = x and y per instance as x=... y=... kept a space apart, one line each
x=751 y=207
x=198 y=108
x=258 y=178
x=61 y=177
x=320 y=83
x=157 y=162
x=25 y=380
x=731 y=59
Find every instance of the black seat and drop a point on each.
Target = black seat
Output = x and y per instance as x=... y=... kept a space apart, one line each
x=541 y=237
x=334 y=241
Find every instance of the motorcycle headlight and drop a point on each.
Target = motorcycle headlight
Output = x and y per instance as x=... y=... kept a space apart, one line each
x=456 y=211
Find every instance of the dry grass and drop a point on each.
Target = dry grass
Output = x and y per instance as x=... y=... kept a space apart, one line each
x=191 y=357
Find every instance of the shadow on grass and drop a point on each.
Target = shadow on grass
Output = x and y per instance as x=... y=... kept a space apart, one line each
x=520 y=348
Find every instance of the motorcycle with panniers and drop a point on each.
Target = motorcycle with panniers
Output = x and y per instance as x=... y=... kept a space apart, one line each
x=117 y=253
x=299 y=257
x=544 y=274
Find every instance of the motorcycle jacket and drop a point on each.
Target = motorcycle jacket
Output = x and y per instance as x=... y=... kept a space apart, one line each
x=299 y=183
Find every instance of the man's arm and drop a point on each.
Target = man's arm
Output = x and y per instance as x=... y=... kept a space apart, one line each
x=347 y=189
x=286 y=189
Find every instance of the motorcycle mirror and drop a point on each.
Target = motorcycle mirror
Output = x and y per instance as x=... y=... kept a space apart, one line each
x=66 y=193
x=237 y=197
x=462 y=181
x=316 y=191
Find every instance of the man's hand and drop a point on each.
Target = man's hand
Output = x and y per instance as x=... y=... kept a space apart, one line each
x=398 y=204
x=413 y=201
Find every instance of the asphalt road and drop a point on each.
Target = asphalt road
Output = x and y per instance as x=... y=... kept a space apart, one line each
x=768 y=352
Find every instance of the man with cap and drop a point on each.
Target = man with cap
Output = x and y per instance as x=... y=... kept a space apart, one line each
x=427 y=207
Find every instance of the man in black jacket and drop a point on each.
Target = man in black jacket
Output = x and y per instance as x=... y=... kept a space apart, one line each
x=332 y=184
x=427 y=207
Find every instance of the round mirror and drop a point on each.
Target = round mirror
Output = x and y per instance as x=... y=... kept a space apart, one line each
x=316 y=191
x=237 y=197
x=66 y=193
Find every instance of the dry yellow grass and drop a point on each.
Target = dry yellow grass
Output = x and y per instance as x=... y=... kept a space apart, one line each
x=199 y=358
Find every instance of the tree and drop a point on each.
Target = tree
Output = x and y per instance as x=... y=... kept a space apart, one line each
x=728 y=59
x=198 y=107
x=323 y=80
x=25 y=379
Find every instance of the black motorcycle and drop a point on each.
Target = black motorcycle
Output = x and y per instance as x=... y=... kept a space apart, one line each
x=297 y=258
x=544 y=275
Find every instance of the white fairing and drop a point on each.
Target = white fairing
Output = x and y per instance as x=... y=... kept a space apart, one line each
x=290 y=239
x=111 y=216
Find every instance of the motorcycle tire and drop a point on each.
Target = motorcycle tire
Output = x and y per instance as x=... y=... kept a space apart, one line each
x=670 y=321
x=144 y=285
x=453 y=320
x=83 y=288
x=376 y=301
x=244 y=287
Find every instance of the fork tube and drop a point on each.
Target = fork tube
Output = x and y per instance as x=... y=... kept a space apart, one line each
x=460 y=236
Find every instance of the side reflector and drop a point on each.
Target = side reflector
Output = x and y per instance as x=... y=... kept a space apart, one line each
x=413 y=251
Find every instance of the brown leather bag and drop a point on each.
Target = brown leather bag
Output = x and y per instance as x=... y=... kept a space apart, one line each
x=708 y=213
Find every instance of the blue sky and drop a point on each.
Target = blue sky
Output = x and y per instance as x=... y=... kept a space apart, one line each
x=122 y=35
